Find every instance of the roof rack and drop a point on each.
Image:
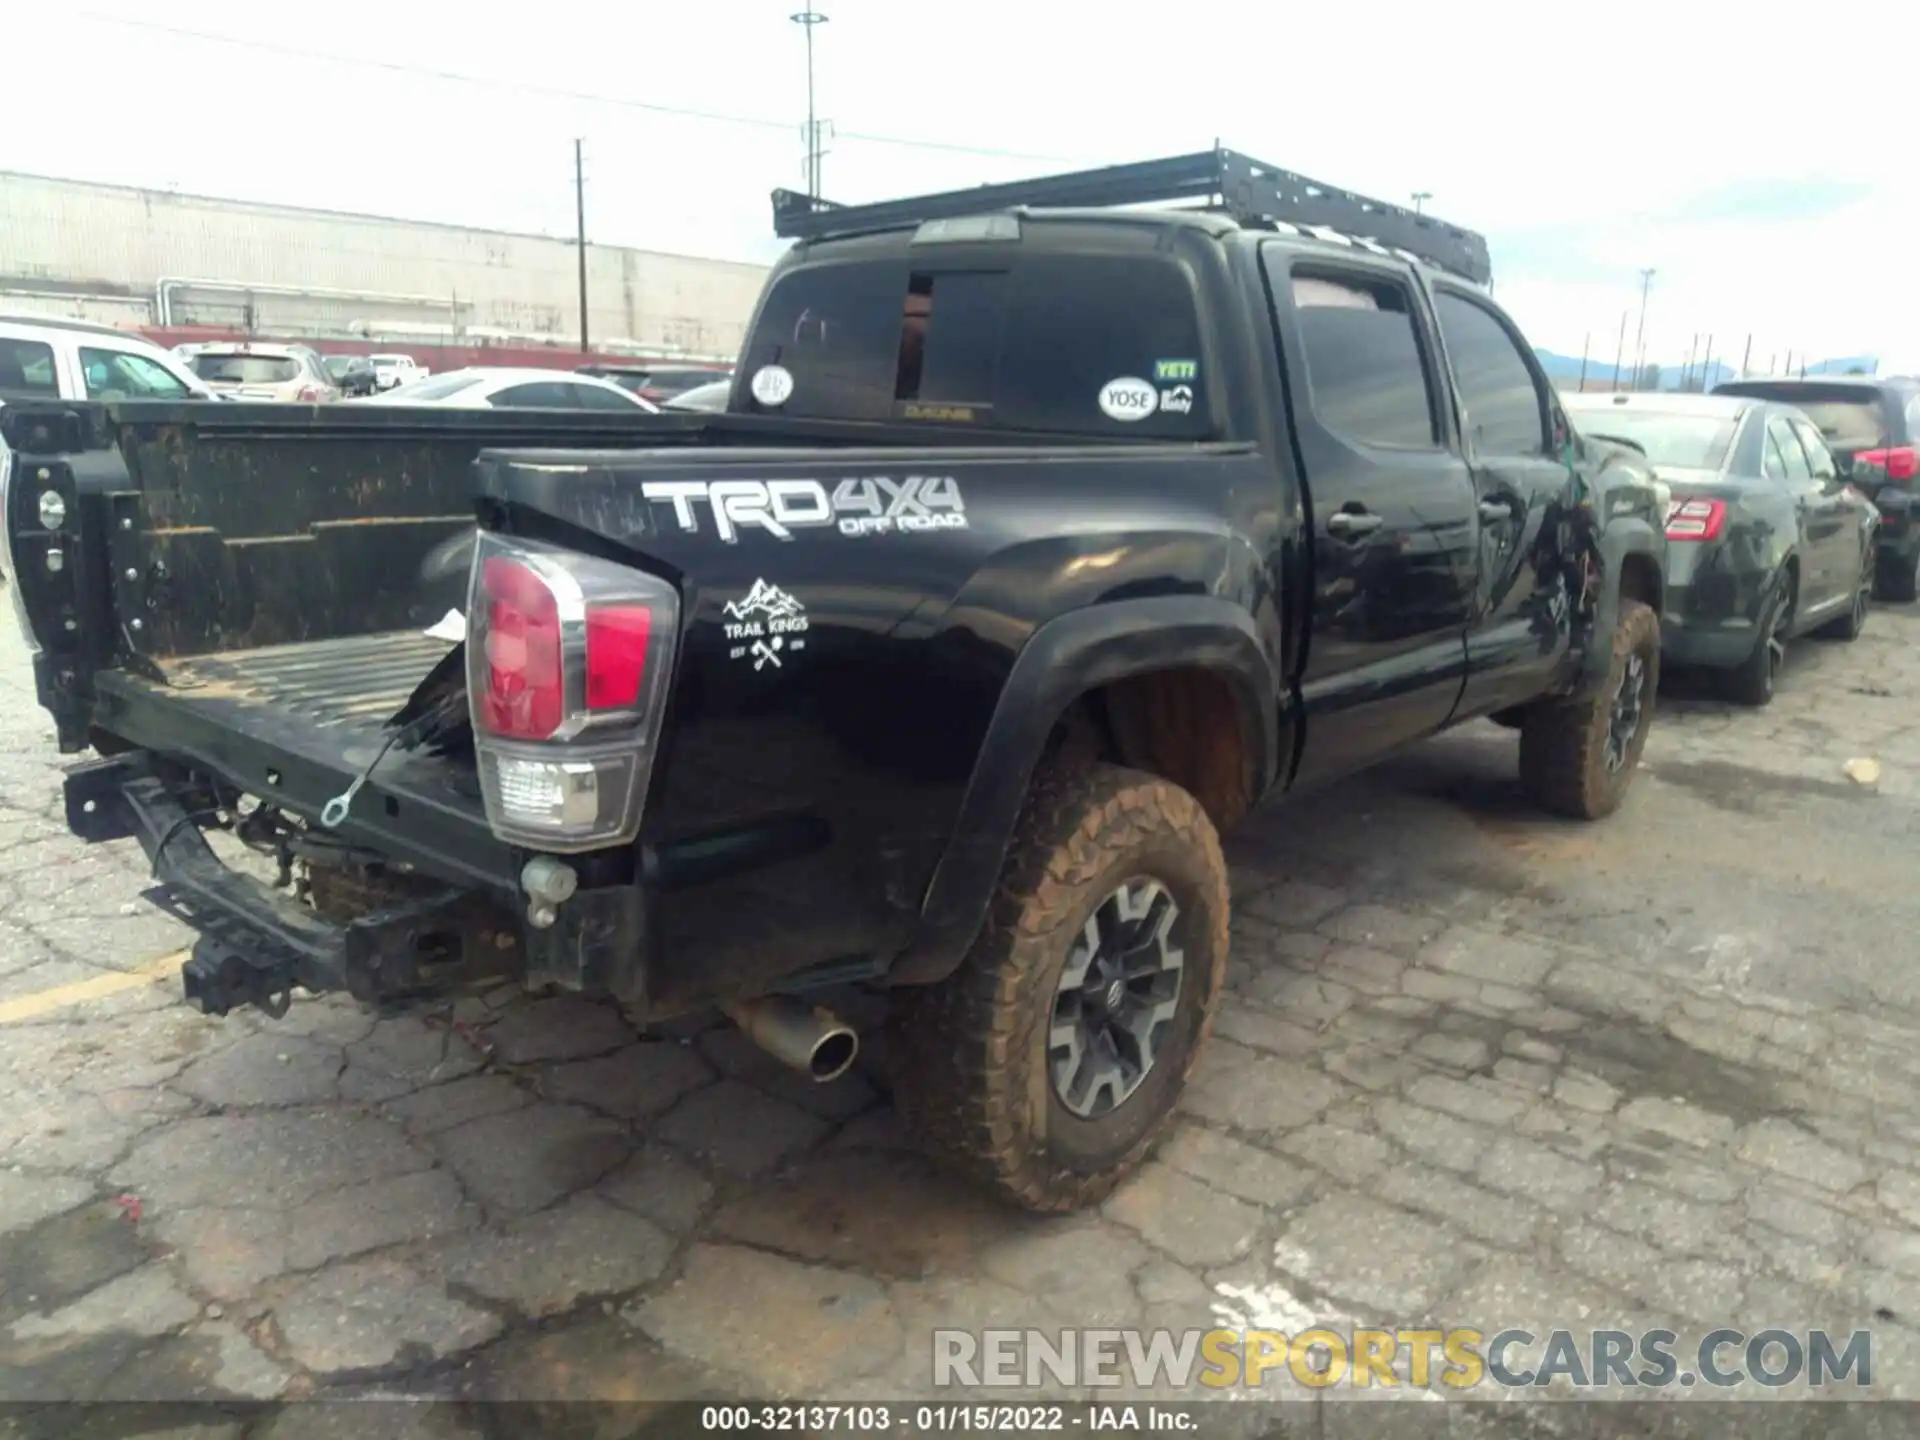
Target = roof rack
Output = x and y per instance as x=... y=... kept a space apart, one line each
x=1249 y=191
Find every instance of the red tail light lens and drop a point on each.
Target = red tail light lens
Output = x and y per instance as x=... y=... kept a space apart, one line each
x=616 y=655
x=1901 y=462
x=525 y=693
x=1696 y=520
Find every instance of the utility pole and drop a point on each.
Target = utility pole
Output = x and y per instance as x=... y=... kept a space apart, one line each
x=1746 y=356
x=807 y=19
x=1621 y=351
x=1420 y=198
x=1585 y=345
x=1706 y=367
x=580 y=224
x=1640 y=335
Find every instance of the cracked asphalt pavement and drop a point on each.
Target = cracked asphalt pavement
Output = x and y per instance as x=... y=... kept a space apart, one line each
x=1476 y=1067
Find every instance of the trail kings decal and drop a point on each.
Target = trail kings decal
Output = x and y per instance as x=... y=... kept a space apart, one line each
x=859 y=505
x=763 y=624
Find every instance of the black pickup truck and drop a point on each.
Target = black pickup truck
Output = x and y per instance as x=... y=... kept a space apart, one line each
x=1044 y=536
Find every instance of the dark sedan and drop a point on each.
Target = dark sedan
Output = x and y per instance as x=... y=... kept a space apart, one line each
x=354 y=374
x=1873 y=428
x=1766 y=539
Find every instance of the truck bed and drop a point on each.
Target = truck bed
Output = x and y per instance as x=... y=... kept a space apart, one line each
x=296 y=723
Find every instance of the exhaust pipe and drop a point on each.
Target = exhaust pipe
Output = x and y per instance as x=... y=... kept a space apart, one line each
x=813 y=1041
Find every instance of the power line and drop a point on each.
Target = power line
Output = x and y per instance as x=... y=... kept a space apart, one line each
x=551 y=91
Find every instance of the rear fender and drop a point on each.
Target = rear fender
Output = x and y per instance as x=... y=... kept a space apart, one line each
x=1621 y=539
x=1067 y=657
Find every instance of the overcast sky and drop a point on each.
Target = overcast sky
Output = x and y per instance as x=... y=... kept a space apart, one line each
x=1586 y=142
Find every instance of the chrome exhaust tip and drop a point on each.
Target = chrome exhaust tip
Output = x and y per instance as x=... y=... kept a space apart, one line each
x=812 y=1040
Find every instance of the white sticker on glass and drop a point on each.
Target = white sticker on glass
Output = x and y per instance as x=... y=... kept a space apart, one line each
x=1128 y=398
x=772 y=384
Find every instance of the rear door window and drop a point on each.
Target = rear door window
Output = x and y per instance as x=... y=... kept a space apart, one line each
x=1818 y=456
x=1097 y=345
x=1365 y=376
x=1773 y=461
x=593 y=397
x=544 y=395
x=1798 y=468
x=1505 y=411
x=26 y=368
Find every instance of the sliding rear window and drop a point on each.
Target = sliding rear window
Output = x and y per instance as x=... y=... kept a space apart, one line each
x=1038 y=343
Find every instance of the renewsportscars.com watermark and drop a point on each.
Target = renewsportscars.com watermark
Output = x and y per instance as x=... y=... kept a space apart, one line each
x=1459 y=1358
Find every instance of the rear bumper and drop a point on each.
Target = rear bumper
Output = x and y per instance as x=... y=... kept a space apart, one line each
x=255 y=943
x=1713 y=610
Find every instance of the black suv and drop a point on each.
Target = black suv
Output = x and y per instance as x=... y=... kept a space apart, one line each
x=1872 y=426
x=1044 y=537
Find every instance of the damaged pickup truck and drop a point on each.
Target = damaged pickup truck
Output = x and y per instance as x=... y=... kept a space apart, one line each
x=1044 y=537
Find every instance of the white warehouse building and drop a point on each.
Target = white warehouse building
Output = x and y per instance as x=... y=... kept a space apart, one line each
x=155 y=259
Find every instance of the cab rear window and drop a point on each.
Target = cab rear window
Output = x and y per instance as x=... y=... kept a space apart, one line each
x=1099 y=345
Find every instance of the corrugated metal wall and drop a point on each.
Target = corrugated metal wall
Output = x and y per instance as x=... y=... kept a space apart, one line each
x=391 y=277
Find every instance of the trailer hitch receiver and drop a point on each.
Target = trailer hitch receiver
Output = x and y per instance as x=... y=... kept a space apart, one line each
x=219 y=978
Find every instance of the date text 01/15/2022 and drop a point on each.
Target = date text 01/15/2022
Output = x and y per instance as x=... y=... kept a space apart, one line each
x=939 y=1419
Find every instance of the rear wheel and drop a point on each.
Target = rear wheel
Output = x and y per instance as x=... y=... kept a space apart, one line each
x=1754 y=680
x=1050 y=1062
x=1849 y=626
x=1577 y=757
x=1900 y=580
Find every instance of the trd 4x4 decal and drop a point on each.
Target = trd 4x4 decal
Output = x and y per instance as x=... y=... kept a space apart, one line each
x=861 y=505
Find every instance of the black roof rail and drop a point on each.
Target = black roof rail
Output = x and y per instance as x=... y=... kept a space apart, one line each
x=1248 y=191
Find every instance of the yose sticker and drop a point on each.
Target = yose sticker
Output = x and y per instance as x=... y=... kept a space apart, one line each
x=1128 y=398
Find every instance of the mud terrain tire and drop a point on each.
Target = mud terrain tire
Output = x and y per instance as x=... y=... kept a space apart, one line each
x=1564 y=750
x=975 y=1058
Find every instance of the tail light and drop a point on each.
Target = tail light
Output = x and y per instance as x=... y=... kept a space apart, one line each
x=1901 y=462
x=567 y=661
x=1696 y=520
x=310 y=394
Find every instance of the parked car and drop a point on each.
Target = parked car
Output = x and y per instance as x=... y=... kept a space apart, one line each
x=284 y=374
x=711 y=397
x=490 y=387
x=657 y=383
x=354 y=374
x=942 y=671
x=1766 y=539
x=53 y=359
x=393 y=371
x=1872 y=426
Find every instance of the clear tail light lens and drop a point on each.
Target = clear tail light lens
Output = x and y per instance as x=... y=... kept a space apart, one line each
x=567 y=661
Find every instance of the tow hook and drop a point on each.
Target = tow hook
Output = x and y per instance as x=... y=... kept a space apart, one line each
x=549 y=884
x=814 y=1041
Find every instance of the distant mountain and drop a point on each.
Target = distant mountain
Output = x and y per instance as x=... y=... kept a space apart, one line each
x=1561 y=368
